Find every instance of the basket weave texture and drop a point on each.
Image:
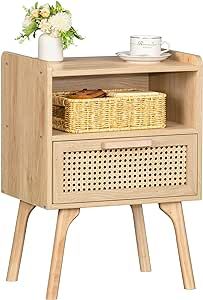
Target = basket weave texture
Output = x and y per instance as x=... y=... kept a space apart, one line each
x=120 y=110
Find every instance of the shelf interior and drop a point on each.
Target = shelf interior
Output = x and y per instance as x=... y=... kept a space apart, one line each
x=182 y=101
x=172 y=128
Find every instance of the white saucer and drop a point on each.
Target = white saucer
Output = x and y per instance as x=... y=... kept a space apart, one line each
x=125 y=55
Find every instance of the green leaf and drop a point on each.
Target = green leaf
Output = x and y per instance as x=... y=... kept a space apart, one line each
x=59 y=7
x=34 y=34
x=36 y=4
x=67 y=38
x=76 y=34
x=19 y=37
x=30 y=29
x=52 y=9
x=25 y=8
x=67 y=11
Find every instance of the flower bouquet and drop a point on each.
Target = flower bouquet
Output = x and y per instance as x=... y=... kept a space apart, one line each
x=55 y=22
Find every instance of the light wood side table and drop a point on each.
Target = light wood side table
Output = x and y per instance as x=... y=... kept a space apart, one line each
x=54 y=170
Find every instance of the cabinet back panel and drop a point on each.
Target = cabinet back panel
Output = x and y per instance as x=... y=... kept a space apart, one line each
x=140 y=81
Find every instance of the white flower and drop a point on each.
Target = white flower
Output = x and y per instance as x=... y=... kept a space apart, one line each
x=45 y=12
x=61 y=21
x=35 y=13
x=54 y=33
x=46 y=6
x=45 y=26
x=27 y=21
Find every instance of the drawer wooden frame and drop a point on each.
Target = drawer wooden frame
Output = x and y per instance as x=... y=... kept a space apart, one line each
x=143 y=193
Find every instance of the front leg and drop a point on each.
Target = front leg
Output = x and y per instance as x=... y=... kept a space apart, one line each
x=65 y=218
x=141 y=237
x=18 y=240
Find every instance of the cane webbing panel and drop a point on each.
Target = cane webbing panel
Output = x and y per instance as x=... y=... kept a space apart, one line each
x=115 y=169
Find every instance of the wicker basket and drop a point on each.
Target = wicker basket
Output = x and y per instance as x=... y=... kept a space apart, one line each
x=126 y=110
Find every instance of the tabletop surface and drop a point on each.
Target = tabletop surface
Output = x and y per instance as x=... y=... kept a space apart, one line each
x=76 y=66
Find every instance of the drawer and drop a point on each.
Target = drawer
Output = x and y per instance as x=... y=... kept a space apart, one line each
x=131 y=168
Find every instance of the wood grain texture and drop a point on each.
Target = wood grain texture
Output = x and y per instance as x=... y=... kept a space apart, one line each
x=26 y=129
x=61 y=195
x=172 y=128
x=141 y=237
x=184 y=57
x=27 y=116
x=77 y=66
x=9 y=110
x=65 y=218
x=175 y=213
x=18 y=240
x=125 y=201
x=184 y=101
x=124 y=81
x=126 y=144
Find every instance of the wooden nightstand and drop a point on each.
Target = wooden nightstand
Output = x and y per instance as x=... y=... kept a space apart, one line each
x=54 y=170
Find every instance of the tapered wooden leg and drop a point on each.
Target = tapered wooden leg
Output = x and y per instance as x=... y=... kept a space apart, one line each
x=18 y=240
x=141 y=238
x=65 y=217
x=175 y=213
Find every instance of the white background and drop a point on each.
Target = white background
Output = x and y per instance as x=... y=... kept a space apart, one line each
x=101 y=261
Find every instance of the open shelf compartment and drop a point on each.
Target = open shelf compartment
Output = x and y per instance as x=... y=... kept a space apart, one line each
x=180 y=87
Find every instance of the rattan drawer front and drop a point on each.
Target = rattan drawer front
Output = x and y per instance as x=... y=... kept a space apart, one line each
x=98 y=170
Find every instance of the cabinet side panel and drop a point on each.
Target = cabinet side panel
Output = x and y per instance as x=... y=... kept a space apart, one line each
x=9 y=141
x=184 y=103
x=199 y=126
x=26 y=129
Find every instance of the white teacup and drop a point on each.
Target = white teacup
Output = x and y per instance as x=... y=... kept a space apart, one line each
x=147 y=45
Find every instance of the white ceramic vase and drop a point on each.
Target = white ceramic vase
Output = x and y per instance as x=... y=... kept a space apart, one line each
x=50 y=48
